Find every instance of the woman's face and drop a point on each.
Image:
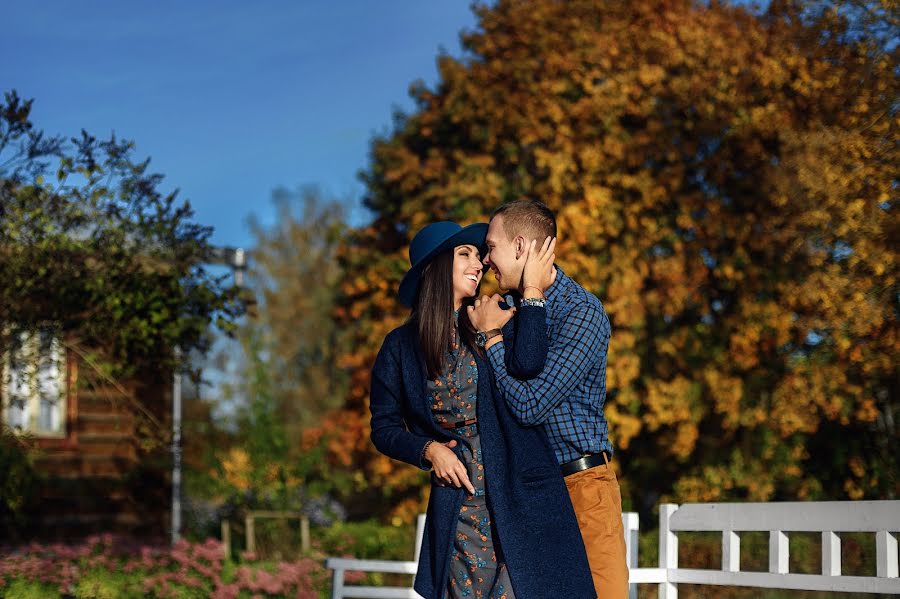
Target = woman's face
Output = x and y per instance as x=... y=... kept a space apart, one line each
x=467 y=271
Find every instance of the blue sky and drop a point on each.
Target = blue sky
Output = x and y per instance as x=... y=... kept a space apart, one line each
x=230 y=99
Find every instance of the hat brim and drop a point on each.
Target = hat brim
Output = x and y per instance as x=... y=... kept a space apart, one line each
x=472 y=235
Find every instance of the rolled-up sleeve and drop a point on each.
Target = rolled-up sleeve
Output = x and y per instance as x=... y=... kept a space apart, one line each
x=528 y=354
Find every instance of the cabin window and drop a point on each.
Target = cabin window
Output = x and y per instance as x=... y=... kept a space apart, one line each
x=33 y=384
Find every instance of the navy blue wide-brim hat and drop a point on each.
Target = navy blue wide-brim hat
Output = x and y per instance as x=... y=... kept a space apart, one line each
x=431 y=241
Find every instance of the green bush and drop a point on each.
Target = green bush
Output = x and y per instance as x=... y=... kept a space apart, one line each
x=20 y=588
x=17 y=480
x=104 y=584
x=16 y=472
x=109 y=567
x=368 y=539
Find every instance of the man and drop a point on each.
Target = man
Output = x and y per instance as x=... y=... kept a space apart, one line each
x=567 y=397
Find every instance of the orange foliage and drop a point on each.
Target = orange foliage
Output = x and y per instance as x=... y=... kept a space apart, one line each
x=725 y=182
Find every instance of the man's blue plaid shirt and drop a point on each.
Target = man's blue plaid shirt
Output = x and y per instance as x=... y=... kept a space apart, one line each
x=567 y=398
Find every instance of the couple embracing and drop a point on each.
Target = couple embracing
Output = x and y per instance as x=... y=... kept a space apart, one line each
x=503 y=403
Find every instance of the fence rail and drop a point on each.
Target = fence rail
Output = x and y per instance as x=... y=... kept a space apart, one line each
x=249 y=529
x=829 y=518
x=882 y=518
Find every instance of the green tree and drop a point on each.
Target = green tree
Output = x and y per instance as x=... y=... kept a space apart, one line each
x=91 y=249
x=91 y=246
x=296 y=274
x=288 y=376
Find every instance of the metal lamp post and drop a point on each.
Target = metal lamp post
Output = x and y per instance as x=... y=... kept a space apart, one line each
x=236 y=259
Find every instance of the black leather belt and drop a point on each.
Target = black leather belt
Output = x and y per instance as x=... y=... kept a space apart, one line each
x=458 y=424
x=585 y=462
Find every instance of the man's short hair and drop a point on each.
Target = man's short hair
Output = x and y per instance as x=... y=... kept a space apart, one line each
x=529 y=218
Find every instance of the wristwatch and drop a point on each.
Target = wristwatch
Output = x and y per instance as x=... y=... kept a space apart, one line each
x=482 y=337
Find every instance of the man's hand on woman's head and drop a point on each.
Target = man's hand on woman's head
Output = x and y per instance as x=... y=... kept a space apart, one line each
x=538 y=273
x=486 y=314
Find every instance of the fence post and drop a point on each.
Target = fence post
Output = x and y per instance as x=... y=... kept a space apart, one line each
x=831 y=554
x=226 y=538
x=420 y=532
x=631 y=523
x=304 y=534
x=779 y=551
x=668 y=550
x=251 y=537
x=731 y=551
x=337 y=584
x=886 y=554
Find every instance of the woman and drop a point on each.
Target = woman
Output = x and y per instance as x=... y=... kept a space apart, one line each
x=499 y=522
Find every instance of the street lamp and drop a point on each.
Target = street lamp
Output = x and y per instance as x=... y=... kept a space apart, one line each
x=236 y=259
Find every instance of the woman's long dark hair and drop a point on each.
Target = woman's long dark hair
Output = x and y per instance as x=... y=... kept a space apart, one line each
x=433 y=314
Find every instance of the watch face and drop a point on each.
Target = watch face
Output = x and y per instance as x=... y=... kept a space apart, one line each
x=480 y=338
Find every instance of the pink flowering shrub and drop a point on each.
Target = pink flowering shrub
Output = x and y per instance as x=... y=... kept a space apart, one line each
x=107 y=566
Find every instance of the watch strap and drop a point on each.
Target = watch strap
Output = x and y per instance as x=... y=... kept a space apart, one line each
x=482 y=337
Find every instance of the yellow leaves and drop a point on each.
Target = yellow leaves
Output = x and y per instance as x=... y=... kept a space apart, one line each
x=237 y=468
x=673 y=404
x=792 y=410
x=726 y=393
x=649 y=74
x=854 y=485
x=558 y=165
x=381 y=466
x=406 y=511
x=810 y=393
x=762 y=328
x=717 y=482
x=866 y=411
x=626 y=426
x=686 y=435
x=744 y=345
x=853 y=489
x=598 y=201
x=712 y=483
x=624 y=364
x=668 y=402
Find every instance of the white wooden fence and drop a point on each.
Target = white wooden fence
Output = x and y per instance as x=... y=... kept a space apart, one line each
x=340 y=565
x=880 y=518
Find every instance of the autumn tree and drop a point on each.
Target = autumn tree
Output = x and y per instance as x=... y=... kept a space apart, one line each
x=296 y=275
x=724 y=181
x=287 y=372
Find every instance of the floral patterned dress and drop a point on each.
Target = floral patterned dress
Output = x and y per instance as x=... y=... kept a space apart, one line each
x=475 y=571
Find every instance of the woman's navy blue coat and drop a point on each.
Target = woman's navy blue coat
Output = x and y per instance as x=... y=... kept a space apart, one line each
x=531 y=510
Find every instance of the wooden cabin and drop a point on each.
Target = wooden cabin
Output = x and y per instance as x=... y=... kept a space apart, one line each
x=100 y=449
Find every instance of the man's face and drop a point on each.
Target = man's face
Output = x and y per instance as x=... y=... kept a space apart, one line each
x=502 y=256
